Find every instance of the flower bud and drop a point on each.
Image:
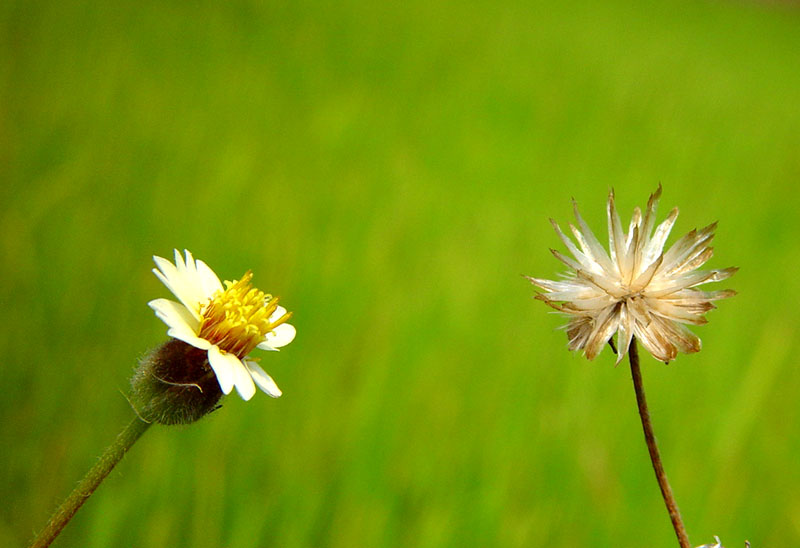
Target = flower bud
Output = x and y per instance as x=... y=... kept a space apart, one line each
x=174 y=384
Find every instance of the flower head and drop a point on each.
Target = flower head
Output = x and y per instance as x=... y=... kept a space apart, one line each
x=717 y=544
x=637 y=288
x=228 y=322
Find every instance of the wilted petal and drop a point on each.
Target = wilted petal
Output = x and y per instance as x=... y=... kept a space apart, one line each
x=594 y=303
x=559 y=285
x=625 y=332
x=655 y=246
x=590 y=245
x=605 y=326
x=696 y=296
x=686 y=247
x=578 y=331
x=632 y=239
x=650 y=213
x=645 y=277
x=616 y=239
x=692 y=314
x=585 y=262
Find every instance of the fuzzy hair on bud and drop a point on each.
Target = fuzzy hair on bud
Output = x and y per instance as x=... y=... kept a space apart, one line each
x=174 y=384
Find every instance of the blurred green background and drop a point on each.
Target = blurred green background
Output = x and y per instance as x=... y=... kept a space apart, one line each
x=389 y=169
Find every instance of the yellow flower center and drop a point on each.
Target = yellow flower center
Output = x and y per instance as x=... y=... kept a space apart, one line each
x=237 y=319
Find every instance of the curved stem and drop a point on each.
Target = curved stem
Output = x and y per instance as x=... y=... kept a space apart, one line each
x=89 y=483
x=661 y=476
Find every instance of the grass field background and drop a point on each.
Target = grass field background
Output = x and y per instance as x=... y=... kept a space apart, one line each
x=388 y=169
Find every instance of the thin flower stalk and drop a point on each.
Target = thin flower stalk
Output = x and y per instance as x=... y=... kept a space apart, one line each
x=639 y=291
x=652 y=448
x=108 y=460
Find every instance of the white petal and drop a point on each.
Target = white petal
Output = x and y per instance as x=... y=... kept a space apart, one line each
x=263 y=380
x=165 y=266
x=190 y=266
x=174 y=314
x=243 y=380
x=278 y=337
x=189 y=338
x=182 y=286
x=278 y=314
x=239 y=376
x=167 y=274
x=203 y=285
x=223 y=368
x=208 y=279
x=265 y=346
x=180 y=265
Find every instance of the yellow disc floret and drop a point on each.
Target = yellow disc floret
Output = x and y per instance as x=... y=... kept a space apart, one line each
x=237 y=319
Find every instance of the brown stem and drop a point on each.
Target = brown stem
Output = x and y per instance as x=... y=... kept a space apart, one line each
x=89 y=483
x=661 y=476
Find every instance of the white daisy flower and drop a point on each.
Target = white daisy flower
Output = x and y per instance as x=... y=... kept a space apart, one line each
x=228 y=321
x=637 y=289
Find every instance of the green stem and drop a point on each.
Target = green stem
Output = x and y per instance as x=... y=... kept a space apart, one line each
x=655 y=458
x=89 y=483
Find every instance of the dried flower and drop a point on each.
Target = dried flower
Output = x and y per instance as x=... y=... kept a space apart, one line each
x=639 y=289
x=227 y=322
